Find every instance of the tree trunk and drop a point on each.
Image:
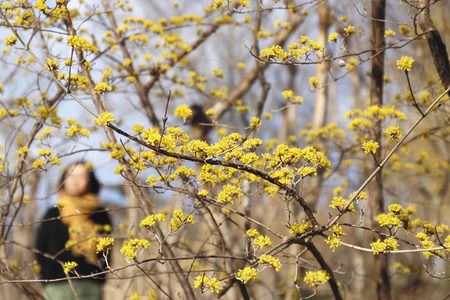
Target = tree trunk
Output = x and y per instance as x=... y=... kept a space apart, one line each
x=376 y=200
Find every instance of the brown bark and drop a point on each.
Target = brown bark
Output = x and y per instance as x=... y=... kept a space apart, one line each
x=435 y=43
x=376 y=200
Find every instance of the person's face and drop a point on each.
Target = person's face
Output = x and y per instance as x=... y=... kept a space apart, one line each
x=77 y=180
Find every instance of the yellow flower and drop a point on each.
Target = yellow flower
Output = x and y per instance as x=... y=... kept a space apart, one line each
x=350 y=29
x=212 y=283
x=394 y=132
x=10 y=40
x=246 y=274
x=389 y=219
x=389 y=33
x=104 y=244
x=52 y=63
x=388 y=244
x=298 y=229
x=255 y=122
x=69 y=266
x=45 y=152
x=229 y=192
x=151 y=220
x=332 y=37
x=405 y=63
x=104 y=118
x=102 y=87
x=262 y=241
x=270 y=260
x=183 y=111
x=313 y=81
x=38 y=163
x=131 y=248
x=370 y=146
x=203 y=193
x=316 y=278
x=22 y=152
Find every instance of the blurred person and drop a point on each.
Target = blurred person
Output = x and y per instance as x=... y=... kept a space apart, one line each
x=68 y=233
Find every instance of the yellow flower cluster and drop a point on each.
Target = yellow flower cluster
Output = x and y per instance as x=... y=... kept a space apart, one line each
x=52 y=63
x=69 y=266
x=131 y=248
x=151 y=220
x=363 y=120
x=78 y=42
x=104 y=118
x=370 y=146
x=339 y=203
x=329 y=132
x=389 y=244
x=44 y=133
x=313 y=82
x=350 y=29
x=257 y=239
x=300 y=228
x=270 y=260
x=205 y=282
x=316 y=278
x=246 y=274
x=396 y=217
x=389 y=33
x=334 y=240
x=183 y=111
x=229 y=193
x=394 y=132
x=332 y=37
x=102 y=87
x=179 y=217
x=104 y=244
x=75 y=129
x=405 y=63
x=45 y=152
x=289 y=96
x=296 y=50
x=11 y=40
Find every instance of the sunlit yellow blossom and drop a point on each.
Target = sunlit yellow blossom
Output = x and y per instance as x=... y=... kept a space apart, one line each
x=104 y=118
x=270 y=260
x=389 y=33
x=151 y=220
x=183 y=111
x=313 y=81
x=11 y=40
x=104 y=244
x=45 y=152
x=300 y=228
x=350 y=29
x=214 y=285
x=131 y=247
x=332 y=37
x=394 y=132
x=52 y=63
x=405 y=63
x=38 y=163
x=246 y=274
x=102 y=87
x=69 y=266
x=370 y=146
x=316 y=278
x=229 y=193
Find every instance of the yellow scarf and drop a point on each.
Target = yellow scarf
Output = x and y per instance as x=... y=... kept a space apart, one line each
x=75 y=213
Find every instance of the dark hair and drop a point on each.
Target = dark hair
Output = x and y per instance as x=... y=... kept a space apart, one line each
x=93 y=185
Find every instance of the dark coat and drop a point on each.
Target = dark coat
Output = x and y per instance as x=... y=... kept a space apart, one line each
x=51 y=239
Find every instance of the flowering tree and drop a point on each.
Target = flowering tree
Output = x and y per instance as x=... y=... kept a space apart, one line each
x=204 y=111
